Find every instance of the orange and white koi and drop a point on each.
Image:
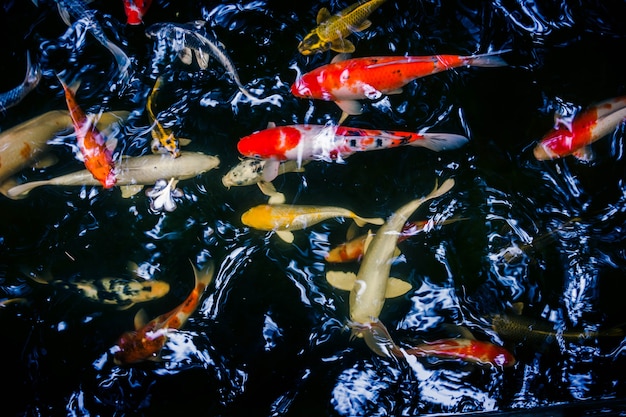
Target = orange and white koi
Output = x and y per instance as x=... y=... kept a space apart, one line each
x=332 y=143
x=146 y=342
x=346 y=81
x=331 y=30
x=135 y=10
x=92 y=144
x=471 y=350
x=589 y=126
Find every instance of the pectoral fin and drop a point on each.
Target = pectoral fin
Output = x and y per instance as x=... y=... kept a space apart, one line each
x=350 y=107
x=270 y=170
x=183 y=141
x=364 y=25
x=339 y=58
x=341 y=280
x=322 y=15
x=343 y=46
x=285 y=235
x=396 y=287
x=361 y=221
x=584 y=154
x=269 y=190
x=141 y=318
x=130 y=190
x=47 y=161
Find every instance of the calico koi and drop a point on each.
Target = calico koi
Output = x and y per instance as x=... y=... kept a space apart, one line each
x=346 y=81
x=98 y=158
x=332 y=143
x=147 y=340
x=333 y=29
x=587 y=127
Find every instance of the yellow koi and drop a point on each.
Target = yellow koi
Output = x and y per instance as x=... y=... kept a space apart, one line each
x=332 y=30
x=282 y=218
x=163 y=139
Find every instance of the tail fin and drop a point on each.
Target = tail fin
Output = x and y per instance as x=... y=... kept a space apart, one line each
x=441 y=141
x=376 y=337
x=205 y=275
x=491 y=59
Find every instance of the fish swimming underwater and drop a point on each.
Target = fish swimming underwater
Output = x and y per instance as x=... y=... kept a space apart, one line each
x=587 y=127
x=354 y=249
x=133 y=173
x=249 y=171
x=14 y=96
x=192 y=36
x=97 y=156
x=346 y=81
x=333 y=29
x=163 y=139
x=283 y=218
x=147 y=340
x=119 y=292
x=332 y=143
x=27 y=143
x=135 y=10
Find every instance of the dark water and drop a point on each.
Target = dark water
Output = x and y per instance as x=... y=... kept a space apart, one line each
x=269 y=336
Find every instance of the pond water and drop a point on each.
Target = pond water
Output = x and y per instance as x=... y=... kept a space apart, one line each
x=269 y=334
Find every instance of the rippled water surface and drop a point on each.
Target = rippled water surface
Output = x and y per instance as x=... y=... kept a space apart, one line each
x=269 y=336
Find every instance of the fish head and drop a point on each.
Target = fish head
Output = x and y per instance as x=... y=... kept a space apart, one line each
x=312 y=43
x=272 y=143
x=135 y=9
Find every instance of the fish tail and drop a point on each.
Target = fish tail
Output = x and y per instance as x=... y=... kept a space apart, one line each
x=440 y=141
x=44 y=278
x=205 y=275
x=490 y=59
x=376 y=337
x=33 y=72
x=19 y=192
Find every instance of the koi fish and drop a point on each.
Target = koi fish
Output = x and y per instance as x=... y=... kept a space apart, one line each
x=332 y=30
x=97 y=156
x=135 y=10
x=147 y=340
x=471 y=350
x=354 y=249
x=163 y=140
x=193 y=36
x=587 y=127
x=33 y=76
x=521 y=328
x=250 y=171
x=346 y=81
x=283 y=218
x=27 y=143
x=120 y=292
x=332 y=143
x=133 y=173
x=369 y=288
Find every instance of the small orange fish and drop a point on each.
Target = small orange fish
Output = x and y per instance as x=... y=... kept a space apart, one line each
x=146 y=342
x=92 y=144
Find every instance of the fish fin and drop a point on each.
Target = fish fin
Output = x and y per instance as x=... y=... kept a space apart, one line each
x=271 y=125
x=440 y=141
x=397 y=252
x=368 y=240
x=269 y=190
x=125 y=307
x=285 y=235
x=362 y=221
x=17 y=192
x=396 y=287
x=322 y=15
x=130 y=190
x=396 y=91
x=517 y=308
x=351 y=107
x=351 y=233
x=364 y=25
x=584 y=154
x=339 y=58
x=490 y=59
x=343 y=118
x=202 y=58
x=141 y=318
x=185 y=55
x=183 y=141
x=43 y=278
x=47 y=161
x=341 y=280
x=204 y=275
x=343 y=46
x=111 y=144
x=270 y=170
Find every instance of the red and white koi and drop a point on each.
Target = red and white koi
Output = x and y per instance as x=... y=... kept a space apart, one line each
x=146 y=342
x=587 y=127
x=97 y=156
x=332 y=143
x=135 y=10
x=346 y=81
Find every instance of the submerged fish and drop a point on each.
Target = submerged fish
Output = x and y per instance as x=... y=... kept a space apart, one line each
x=587 y=127
x=27 y=143
x=120 y=292
x=163 y=139
x=147 y=340
x=346 y=81
x=135 y=10
x=333 y=29
x=193 y=36
x=97 y=156
x=133 y=173
x=332 y=143
x=283 y=218
x=33 y=76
